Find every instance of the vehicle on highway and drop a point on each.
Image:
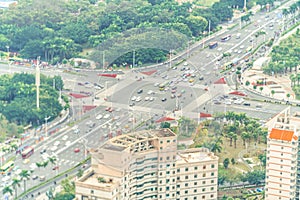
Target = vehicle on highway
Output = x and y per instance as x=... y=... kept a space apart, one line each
x=164 y=99
x=43 y=150
x=54 y=148
x=225 y=38
x=99 y=117
x=34 y=177
x=26 y=161
x=27 y=152
x=163 y=85
x=138 y=99
x=107 y=108
x=56 y=143
x=147 y=98
x=151 y=99
x=42 y=178
x=133 y=98
x=55 y=168
x=246 y=104
x=7 y=167
x=76 y=131
x=238 y=36
x=140 y=91
x=76 y=150
x=132 y=104
x=65 y=137
x=213 y=45
x=106 y=116
x=201 y=77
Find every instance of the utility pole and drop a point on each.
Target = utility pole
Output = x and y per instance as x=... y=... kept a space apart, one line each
x=133 y=59
x=37 y=82
x=103 y=60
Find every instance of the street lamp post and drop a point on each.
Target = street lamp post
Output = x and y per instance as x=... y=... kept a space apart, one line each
x=7 y=47
x=46 y=128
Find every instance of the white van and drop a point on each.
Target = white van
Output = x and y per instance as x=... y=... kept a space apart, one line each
x=238 y=36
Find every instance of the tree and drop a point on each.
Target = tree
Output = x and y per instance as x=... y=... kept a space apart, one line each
x=226 y=163
x=232 y=161
x=7 y=189
x=254 y=177
x=288 y=96
x=15 y=184
x=24 y=176
x=261 y=89
x=247 y=83
x=272 y=92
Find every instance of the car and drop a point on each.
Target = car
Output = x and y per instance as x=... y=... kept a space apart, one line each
x=65 y=137
x=185 y=64
x=68 y=143
x=147 y=98
x=76 y=131
x=246 y=104
x=242 y=46
x=35 y=177
x=56 y=143
x=42 y=178
x=111 y=110
x=107 y=108
x=140 y=91
x=76 y=150
x=150 y=92
x=201 y=78
x=55 y=168
x=151 y=99
x=173 y=96
x=132 y=104
x=54 y=148
x=164 y=99
x=138 y=99
x=99 y=117
x=133 y=98
x=43 y=151
x=26 y=161
x=106 y=116
x=220 y=49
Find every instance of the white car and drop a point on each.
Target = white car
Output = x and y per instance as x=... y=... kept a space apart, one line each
x=106 y=116
x=65 y=137
x=242 y=46
x=56 y=143
x=151 y=99
x=138 y=99
x=147 y=98
x=133 y=98
x=68 y=143
x=99 y=116
x=150 y=92
x=54 y=148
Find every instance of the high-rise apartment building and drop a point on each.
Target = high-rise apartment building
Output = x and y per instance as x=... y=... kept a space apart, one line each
x=147 y=165
x=282 y=167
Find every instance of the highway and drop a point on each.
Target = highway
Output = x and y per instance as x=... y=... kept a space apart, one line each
x=185 y=96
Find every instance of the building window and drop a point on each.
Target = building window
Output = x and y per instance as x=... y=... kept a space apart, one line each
x=160 y=158
x=203 y=197
x=195 y=198
x=160 y=189
x=204 y=167
x=212 y=188
x=178 y=170
x=168 y=141
x=195 y=191
x=195 y=176
x=195 y=183
x=186 y=192
x=211 y=196
x=168 y=158
x=160 y=173
x=186 y=185
x=186 y=169
x=203 y=182
x=212 y=174
x=203 y=189
x=161 y=141
x=167 y=188
x=92 y=191
x=178 y=178
x=204 y=175
x=168 y=172
x=186 y=177
x=196 y=168
x=160 y=182
x=160 y=148
x=212 y=181
x=212 y=166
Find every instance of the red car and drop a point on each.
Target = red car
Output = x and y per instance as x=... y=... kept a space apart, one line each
x=107 y=109
x=55 y=168
x=77 y=150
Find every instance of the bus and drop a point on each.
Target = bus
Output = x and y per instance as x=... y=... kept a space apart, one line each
x=7 y=167
x=163 y=85
x=225 y=38
x=213 y=45
x=27 y=152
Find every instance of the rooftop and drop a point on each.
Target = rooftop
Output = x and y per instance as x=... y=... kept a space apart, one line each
x=136 y=140
x=195 y=155
x=280 y=134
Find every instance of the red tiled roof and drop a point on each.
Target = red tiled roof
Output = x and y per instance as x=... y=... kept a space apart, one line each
x=220 y=81
x=279 y=134
x=108 y=75
x=78 y=96
x=238 y=93
x=204 y=115
x=88 y=108
x=149 y=72
x=164 y=119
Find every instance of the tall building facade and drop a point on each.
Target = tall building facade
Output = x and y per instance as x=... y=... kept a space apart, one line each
x=147 y=165
x=282 y=167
